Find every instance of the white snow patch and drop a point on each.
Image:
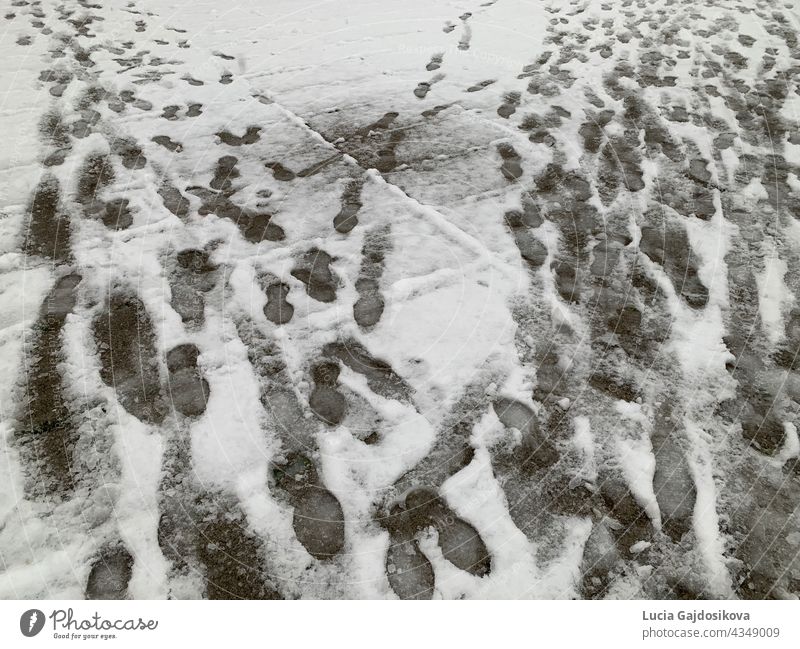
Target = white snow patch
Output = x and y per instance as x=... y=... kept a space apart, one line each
x=637 y=461
x=773 y=294
x=583 y=440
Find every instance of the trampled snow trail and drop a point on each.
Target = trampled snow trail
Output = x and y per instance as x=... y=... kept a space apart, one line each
x=484 y=300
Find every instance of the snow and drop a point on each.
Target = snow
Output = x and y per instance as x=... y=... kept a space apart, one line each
x=463 y=312
x=637 y=461
x=457 y=330
x=584 y=442
x=706 y=517
x=773 y=294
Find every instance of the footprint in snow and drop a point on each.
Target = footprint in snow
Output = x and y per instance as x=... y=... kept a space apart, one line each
x=435 y=62
x=481 y=85
x=194 y=276
x=313 y=269
x=110 y=575
x=326 y=402
x=420 y=510
x=280 y=172
x=168 y=143
x=346 y=219
x=511 y=167
x=125 y=339
x=251 y=136
x=318 y=519
x=278 y=310
x=187 y=389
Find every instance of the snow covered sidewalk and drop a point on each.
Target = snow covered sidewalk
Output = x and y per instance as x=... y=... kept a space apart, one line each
x=375 y=300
